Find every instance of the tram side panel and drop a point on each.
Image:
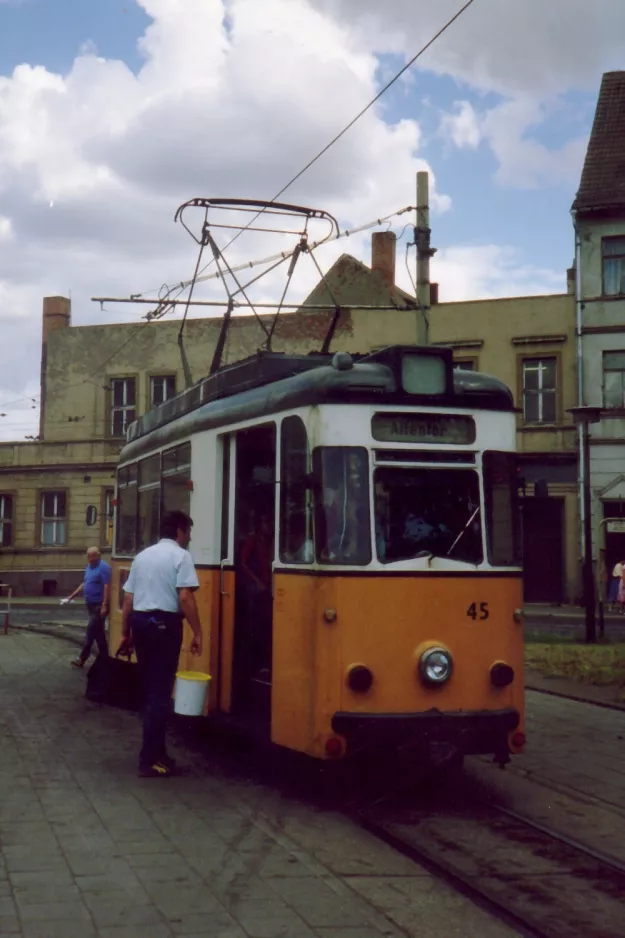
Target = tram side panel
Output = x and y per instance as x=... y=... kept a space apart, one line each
x=306 y=662
x=215 y=601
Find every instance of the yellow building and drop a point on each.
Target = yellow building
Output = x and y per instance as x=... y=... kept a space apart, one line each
x=529 y=343
x=56 y=494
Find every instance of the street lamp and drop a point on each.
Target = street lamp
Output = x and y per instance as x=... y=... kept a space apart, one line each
x=583 y=417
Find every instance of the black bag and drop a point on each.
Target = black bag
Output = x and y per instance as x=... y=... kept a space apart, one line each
x=115 y=682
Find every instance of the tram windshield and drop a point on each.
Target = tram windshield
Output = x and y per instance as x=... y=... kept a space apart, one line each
x=427 y=511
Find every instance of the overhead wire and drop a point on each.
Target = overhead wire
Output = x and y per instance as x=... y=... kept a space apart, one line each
x=354 y=120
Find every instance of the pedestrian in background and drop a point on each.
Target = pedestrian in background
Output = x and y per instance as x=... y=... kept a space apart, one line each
x=621 y=589
x=617 y=574
x=96 y=588
x=159 y=594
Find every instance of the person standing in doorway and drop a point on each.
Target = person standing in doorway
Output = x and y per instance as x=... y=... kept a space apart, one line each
x=96 y=588
x=159 y=594
x=617 y=574
x=621 y=590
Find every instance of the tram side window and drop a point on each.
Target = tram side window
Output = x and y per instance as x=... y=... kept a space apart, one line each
x=176 y=478
x=126 y=541
x=342 y=526
x=296 y=545
x=503 y=525
x=149 y=500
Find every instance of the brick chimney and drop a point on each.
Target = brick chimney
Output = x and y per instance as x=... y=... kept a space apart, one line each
x=383 y=247
x=57 y=314
x=570 y=280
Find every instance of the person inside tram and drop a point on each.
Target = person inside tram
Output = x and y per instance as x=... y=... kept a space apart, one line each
x=256 y=571
x=345 y=514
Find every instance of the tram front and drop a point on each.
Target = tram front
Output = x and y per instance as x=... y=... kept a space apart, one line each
x=409 y=615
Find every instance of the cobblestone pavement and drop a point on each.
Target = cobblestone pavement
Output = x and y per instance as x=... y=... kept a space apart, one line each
x=88 y=849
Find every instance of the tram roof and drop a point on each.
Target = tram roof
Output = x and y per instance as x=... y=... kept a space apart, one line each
x=271 y=382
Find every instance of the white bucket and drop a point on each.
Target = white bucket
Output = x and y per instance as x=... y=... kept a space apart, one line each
x=190 y=693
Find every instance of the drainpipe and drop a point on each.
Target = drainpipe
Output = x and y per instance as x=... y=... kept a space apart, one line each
x=582 y=428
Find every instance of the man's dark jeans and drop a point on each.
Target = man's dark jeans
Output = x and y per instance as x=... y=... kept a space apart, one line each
x=157 y=638
x=96 y=632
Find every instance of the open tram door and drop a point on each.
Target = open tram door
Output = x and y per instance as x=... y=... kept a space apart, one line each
x=251 y=505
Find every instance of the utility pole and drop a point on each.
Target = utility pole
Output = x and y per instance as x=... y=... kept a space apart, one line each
x=583 y=417
x=422 y=234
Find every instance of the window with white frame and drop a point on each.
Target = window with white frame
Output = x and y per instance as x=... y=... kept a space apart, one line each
x=613 y=266
x=123 y=404
x=6 y=520
x=539 y=390
x=53 y=519
x=162 y=387
x=614 y=379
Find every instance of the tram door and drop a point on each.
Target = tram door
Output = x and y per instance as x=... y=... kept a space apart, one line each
x=254 y=539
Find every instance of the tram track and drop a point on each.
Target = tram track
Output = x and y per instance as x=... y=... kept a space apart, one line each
x=539 y=882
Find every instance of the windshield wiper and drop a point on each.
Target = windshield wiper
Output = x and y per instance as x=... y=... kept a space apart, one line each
x=465 y=528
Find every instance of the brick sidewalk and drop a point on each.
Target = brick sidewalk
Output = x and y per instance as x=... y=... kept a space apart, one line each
x=88 y=849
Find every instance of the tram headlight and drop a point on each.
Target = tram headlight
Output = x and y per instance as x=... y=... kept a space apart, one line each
x=436 y=665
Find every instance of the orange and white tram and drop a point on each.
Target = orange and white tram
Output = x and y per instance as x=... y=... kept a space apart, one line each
x=356 y=540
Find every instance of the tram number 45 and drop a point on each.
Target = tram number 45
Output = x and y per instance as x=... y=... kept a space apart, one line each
x=478 y=611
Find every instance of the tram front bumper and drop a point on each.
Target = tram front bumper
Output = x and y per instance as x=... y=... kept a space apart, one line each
x=433 y=732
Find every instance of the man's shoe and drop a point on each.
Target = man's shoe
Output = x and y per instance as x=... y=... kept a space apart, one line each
x=157 y=770
x=77 y=663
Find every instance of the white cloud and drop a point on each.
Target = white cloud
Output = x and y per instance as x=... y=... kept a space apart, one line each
x=93 y=163
x=487 y=271
x=233 y=98
x=462 y=126
x=512 y=48
x=523 y=161
x=530 y=53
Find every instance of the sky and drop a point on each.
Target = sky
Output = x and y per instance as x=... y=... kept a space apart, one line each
x=114 y=112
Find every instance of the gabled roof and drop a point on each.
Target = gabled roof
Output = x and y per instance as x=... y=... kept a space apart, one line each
x=353 y=282
x=602 y=185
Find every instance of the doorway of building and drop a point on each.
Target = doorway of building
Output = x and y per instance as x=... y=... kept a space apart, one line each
x=612 y=541
x=543 y=550
x=254 y=540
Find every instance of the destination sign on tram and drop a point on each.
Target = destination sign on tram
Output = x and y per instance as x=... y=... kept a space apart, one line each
x=423 y=428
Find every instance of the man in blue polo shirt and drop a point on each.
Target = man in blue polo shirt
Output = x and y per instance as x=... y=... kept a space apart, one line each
x=96 y=588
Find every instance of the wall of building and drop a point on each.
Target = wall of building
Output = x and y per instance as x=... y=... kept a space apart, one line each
x=83 y=471
x=496 y=335
x=77 y=407
x=603 y=329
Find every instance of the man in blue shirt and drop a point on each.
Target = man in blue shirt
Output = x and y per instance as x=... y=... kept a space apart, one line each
x=96 y=588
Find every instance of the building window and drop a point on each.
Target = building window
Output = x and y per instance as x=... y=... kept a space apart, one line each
x=539 y=390
x=53 y=519
x=6 y=520
x=614 y=379
x=123 y=409
x=109 y=516
x=613 y=266
x=465 y=364
x=162 y=387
